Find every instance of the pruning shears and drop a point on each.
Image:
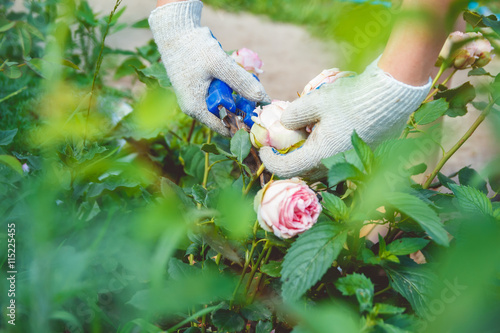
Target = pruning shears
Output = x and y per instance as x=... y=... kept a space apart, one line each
x=221 y=99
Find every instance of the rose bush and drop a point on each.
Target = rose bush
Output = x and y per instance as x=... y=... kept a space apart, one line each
x=287 y=207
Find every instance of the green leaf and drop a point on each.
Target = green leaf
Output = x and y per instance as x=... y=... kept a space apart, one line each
x=179 y=270
x=272 y=268
x=421 y=213
x=212 y=148
x=167 y=187
x=404 y=246
x=12 y=163
x=477 y=20
x=241 y=145
x=477 y=72
x=472 y=201
x=193 y=160
x=12 y=72
x=199 y=194
x=413 y=283
x=256 y=312
x=343 y=171
x=228 y=321
x=154 y=75
x=470 y=177
x=430 y=112
x=7 y=26
x=384 y=308
x=364 y=152
x=417 y=169
x=264 y=327
x=141 y=24
x=335 y=206
x=309 y=258
x=6 y=137
x=445 y=181
x=128 y=67
x=458 y=98
x=359 y=285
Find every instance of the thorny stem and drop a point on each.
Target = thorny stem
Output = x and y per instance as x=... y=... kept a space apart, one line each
x=459 y=144
x=98 y=67
x=254 y=178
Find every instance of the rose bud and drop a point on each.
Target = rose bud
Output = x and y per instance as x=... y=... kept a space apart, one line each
x=287 y=207
x=474 y=50
x=483 y=52
x=326 y=76
x=268 y=130
x=249 y=60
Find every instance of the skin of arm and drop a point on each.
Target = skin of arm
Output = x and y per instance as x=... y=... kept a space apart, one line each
x=417 y=39
x=160 y=3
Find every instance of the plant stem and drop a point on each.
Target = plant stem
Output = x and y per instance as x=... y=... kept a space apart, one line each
x=444 y=83
x=12 y=95
x=193 y=317
x=98 y=67
x=383 y=290
x=191 y=130
x=207 y=163
x=262 y=274
x=254 y=178
x=254 y=267
x=459 y=144
x=244 y=271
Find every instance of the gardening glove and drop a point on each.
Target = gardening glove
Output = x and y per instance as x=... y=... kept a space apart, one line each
x=193 y=58
x=374 y=104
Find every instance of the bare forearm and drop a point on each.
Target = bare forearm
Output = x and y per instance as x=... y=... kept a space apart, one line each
x=417 y=39
x=160 y=3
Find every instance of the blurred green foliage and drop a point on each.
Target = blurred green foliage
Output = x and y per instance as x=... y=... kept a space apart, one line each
x=129 y=217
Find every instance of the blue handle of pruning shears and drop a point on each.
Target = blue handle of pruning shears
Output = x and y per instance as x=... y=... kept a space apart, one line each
x=221 y=95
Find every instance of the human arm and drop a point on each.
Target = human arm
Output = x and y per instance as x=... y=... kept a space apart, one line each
x=376 y=103
x=193 y=58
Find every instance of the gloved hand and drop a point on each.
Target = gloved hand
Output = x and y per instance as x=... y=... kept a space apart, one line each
x=193 y=58
x=374 y=104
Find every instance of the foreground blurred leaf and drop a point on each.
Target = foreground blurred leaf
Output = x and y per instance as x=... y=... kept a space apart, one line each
x=421 y=213
x=309 y=258
x=327 y=318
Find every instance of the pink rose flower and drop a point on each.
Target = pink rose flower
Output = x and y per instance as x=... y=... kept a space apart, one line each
x=287 y=207
x=476 y=52
x=326 y=76
x=249 y=60
x=268 y=130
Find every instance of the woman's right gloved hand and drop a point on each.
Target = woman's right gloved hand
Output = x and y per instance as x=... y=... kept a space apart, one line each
x=193 y=58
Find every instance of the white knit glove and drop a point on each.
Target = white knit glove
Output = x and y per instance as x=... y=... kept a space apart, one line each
x=193 y=58
x=374 y=104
